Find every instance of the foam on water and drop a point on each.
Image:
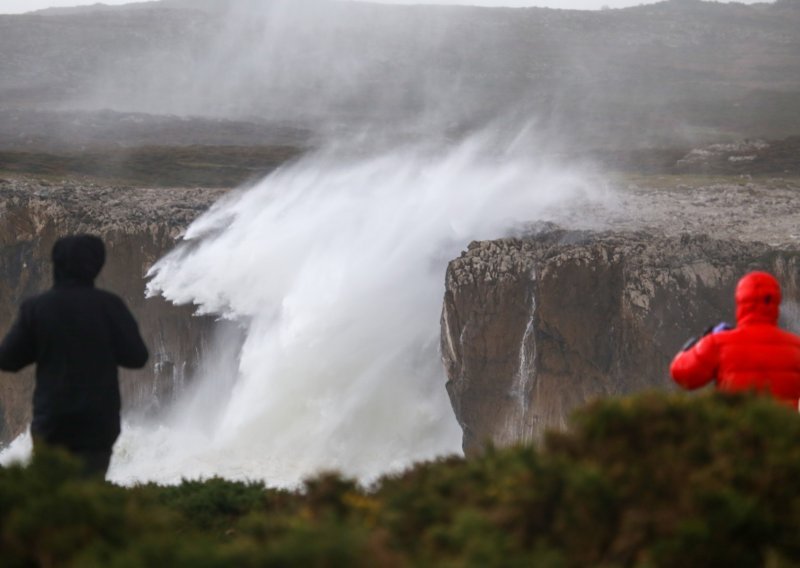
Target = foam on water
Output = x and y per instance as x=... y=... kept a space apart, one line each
x=331 y=271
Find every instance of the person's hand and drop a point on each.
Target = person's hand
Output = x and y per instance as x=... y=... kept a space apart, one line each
x=722 y=326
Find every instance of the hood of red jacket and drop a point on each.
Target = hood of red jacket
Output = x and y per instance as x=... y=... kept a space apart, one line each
x=758 y=299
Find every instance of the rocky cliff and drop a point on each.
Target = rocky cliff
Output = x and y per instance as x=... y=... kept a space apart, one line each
x=533 y=327
x=138 y=225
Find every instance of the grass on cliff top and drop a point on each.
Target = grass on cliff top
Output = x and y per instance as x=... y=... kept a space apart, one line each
x=655 y=480
x=154 y=166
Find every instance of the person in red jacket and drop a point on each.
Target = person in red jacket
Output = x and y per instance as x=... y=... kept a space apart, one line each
x=756 y=355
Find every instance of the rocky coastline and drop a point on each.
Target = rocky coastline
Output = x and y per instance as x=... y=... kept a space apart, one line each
x=533 y=325
x=537 y=325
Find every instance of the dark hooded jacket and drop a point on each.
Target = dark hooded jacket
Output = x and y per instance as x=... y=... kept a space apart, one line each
x=757 y=355
x=77 y=335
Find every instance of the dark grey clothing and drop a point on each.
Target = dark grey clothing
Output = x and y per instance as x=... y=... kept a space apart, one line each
x=77 y=335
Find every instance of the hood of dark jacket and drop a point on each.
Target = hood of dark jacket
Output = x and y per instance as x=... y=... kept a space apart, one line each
x=758 y=299
x=78 y=260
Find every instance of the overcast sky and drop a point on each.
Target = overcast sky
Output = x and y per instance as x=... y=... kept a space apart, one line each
x=19 y=6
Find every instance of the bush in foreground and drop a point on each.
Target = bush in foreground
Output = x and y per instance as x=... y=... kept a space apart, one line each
x=653 y=480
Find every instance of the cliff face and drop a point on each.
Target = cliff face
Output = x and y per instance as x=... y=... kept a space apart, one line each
x=138 y=226
x=533 y=327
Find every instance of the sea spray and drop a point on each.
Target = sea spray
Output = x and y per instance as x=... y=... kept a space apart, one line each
x=333 y=270
x=329 y=275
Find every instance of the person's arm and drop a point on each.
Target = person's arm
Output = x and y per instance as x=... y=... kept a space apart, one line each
x=696 y=365
x=18 y=349
x=129 y=348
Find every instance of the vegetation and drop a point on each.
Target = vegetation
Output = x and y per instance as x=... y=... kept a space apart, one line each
x=654 y=480
x=155 y=166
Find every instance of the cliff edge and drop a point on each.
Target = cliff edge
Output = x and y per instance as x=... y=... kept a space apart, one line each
x=534 y=327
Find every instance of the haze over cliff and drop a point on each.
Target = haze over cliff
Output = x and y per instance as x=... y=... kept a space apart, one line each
x=655 y=74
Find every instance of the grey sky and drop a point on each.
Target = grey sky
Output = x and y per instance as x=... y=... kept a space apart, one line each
x=19 y=6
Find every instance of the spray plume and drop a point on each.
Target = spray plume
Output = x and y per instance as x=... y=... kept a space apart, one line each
x=332 y=270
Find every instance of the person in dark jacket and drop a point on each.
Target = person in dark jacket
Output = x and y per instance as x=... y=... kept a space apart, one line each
x=77 y=335
x=756 y=355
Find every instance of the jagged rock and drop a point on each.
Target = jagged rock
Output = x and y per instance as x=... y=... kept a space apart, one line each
x=534 y=327
x=139 y=226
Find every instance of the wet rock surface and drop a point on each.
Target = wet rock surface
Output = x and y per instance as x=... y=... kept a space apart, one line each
x=534 y=326
x=138 y=226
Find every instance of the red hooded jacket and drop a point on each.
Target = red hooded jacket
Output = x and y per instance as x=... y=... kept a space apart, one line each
x=757 y=355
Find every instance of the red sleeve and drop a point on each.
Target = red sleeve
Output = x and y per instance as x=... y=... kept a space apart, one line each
x=697 y=366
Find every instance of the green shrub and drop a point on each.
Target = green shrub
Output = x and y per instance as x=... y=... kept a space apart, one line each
x=653 y=480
